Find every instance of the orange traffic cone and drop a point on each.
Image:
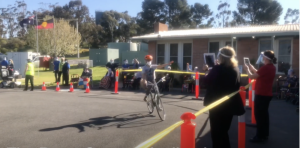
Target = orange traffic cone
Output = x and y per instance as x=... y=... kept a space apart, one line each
x=44 y=87
x=71 y=87
x=57 y=86
x=87 y=90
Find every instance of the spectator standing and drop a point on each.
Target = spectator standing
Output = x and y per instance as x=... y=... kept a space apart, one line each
x=65 y=72
x=56 y=63
x=61 y=64
x=263 y=93
x=222 y=80
x=29 y=74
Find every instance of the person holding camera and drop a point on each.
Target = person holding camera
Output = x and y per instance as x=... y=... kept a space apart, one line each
x=222 y=80
x=263 y=92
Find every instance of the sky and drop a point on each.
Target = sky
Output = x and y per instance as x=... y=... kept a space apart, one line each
x=135 y=6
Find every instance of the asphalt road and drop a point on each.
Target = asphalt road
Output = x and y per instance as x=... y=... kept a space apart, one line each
x=100 y=119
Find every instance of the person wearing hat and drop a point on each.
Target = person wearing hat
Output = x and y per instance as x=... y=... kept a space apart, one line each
x=29 y=74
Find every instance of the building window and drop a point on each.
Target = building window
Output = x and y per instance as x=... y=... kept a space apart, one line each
x=284 y=55
x=174 y=53
x=187 y=54
x=214 y=47
x=160 y=53
x=265 y=45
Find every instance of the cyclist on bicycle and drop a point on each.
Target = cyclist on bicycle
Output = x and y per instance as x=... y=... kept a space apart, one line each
x=148 y=73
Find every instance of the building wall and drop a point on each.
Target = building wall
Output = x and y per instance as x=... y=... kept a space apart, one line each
x=247 y=48
x=152 y=50
x=295 y=55
x=200 y=46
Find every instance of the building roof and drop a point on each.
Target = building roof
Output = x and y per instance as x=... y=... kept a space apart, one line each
x=245 y=31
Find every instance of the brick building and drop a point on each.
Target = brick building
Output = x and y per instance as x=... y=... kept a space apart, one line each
x=188 y=46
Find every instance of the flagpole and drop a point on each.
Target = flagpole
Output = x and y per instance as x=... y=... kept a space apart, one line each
x=54 y=35
x=37 y=42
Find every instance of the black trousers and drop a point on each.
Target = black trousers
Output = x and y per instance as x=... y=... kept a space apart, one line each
x=59 y=76
x=261 y=112
x=136 y=83
x=65 y=79
x=28 y=77
x=56 y=75
x=219 y=126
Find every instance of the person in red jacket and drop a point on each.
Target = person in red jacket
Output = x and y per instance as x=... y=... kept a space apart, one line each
x=263 y=93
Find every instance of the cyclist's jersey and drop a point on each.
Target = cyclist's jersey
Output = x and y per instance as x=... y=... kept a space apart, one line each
x=150 y=72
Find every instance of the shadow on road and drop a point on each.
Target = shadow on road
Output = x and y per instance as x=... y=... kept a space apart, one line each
x=203 y=140
x=127 y=120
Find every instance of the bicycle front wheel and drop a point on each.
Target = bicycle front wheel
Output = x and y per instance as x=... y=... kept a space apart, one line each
x=160 y=108
x=149 y=102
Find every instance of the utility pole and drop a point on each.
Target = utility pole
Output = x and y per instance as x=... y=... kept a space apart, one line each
x=77 y=37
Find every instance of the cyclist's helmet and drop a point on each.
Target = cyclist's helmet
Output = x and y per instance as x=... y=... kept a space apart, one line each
x=148 y=57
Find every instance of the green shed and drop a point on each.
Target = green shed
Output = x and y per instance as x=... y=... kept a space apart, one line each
x=101 y=56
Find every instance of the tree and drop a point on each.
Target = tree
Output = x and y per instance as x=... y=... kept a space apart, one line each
x=292 y=15
x=12 y=44
x=178 y=13
x=11 y=16
x=60 y=41
x=199 y=13
x=153 y=12
x=258 y=12
x=110 y=20
x=223 y=14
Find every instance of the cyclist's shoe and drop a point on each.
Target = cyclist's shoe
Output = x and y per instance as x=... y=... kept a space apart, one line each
x=145 y=99
x=160 y=109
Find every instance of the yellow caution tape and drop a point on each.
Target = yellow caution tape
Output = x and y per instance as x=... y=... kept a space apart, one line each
x=165 y=132
x=172 y=71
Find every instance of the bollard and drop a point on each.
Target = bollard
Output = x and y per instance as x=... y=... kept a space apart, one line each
x=57 y=87
x=188 y=131
x=249 y=95
x=71 y=87
x=116 y=82
x=253 y=121
x=44 y=87
x=87 y=90
x=197 y=89
x=242 y=124
x=249 y=98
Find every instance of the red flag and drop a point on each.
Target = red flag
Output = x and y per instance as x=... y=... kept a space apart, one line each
x=49 y=24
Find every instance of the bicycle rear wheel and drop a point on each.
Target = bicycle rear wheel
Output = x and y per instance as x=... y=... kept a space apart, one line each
x=149 y=102
x=160 y=108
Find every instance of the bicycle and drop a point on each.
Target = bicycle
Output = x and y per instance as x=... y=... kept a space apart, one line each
x=155 y=100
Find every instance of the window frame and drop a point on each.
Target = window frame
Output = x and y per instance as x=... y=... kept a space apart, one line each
x=276 y=51
x=157 y=52
x=191 y=56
